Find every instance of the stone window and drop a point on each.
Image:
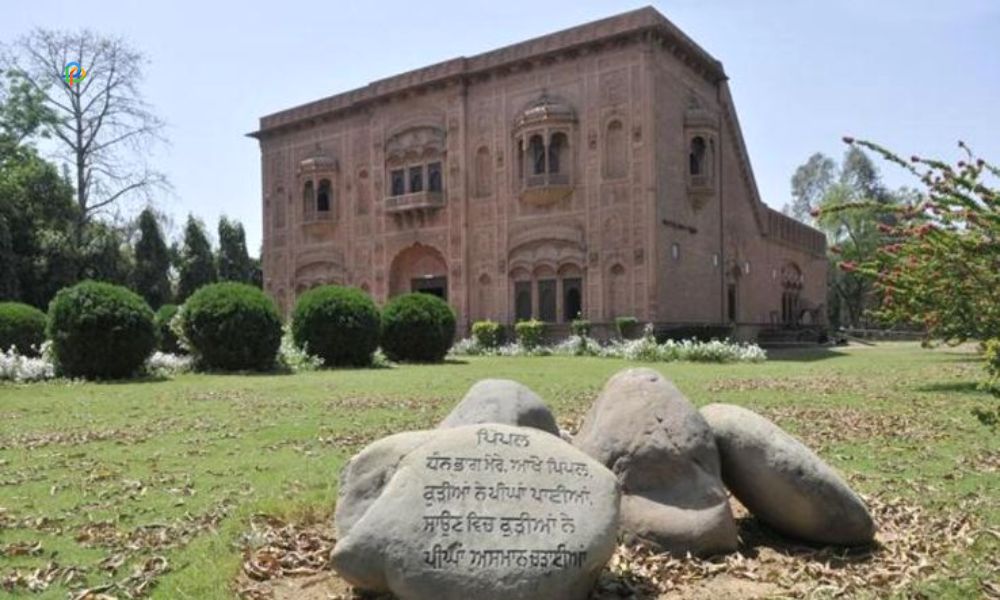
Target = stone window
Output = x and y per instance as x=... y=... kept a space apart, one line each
x=536 y=152
x=522 y=301
x=731 y=302
x=572 y=298
x=791 y=288
x=557 y=147
x=434 y=177
x=615 y=152
x=483 y=185
x=696 y=157
x=323 y=196
x=416 y=179
x=547 y=300
x=398 y=182
x=308 y=201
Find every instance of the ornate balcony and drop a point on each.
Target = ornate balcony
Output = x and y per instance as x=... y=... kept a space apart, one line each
x=415 y=202
x=545 y=188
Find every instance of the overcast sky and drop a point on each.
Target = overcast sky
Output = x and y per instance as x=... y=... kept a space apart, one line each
x=916 y=75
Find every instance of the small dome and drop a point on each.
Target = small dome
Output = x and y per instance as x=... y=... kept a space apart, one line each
x=545 y=110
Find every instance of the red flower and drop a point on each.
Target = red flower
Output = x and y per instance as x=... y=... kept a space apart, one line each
x=848 y=266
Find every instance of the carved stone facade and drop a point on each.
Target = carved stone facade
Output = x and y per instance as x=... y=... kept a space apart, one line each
x=597 y=171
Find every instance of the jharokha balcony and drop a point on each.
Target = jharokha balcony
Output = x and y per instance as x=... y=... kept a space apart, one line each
x=545 y=188
x=416 y=201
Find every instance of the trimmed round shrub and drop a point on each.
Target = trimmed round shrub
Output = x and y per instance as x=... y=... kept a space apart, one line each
x=338 y=324
x=166 y=338
x=418 y=328
x=232 y=327
x=530 y=334
x=22 y=327
x=100 y=331
x=488 y=334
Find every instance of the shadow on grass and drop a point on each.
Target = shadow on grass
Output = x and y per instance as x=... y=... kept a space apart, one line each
x=131 y=380
x=961 y=387
x=803 y=354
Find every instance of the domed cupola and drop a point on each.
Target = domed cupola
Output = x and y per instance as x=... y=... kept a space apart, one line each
x=544 y=111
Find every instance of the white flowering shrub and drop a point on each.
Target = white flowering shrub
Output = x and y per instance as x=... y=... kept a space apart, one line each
x=20 y=369
x=294 y=358
x=164 y=364
x=644 y=349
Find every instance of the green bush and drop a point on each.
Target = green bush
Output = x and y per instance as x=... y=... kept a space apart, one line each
x=487 y=334
x=338 y=324
x=100 y=331
x=22 y=327
x=627 y=327
x=231 y=327
x=992 y=355
x=417 y=327
x=530 y=333
x=580 y=327
x=166 y=338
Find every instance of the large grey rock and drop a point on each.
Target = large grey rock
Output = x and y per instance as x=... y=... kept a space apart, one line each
x=487 y=512
x=783 y=483
x=502 y=401
x=664 y=455
x=364 y=477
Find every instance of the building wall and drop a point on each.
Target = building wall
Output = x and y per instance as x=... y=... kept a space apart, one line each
x=488 y=238
x=642 y=236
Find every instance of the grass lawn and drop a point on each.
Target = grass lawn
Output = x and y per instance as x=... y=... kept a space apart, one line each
x=151 y=485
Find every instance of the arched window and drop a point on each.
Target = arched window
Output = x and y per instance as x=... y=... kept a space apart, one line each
x=696 y=159
x=484 y=178
x=398 y=182
x=323 y=196
x=545 y=278
x=572 y=292
x=522 y=301
x=557 y=151
x=536 y=153
x=434 y=177
x=308 y=200
x=615 y=159
x=416 y=179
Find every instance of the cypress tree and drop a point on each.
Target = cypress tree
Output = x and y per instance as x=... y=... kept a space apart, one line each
x=197 y=265
x=152 y=262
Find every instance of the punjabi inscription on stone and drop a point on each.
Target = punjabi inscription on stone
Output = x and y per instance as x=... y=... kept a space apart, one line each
x=509 y=511
x=475 y=496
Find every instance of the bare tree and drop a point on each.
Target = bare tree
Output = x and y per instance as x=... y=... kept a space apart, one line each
x=105 y=127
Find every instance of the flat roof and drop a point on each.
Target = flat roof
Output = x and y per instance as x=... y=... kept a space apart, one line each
x=624 y=24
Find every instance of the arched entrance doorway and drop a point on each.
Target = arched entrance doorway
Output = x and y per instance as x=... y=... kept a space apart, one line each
x=419 y=268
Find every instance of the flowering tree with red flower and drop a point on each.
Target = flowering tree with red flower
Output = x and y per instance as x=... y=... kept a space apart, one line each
x=938 y=264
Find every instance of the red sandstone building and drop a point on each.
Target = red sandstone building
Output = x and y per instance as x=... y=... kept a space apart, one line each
x=598 y=171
